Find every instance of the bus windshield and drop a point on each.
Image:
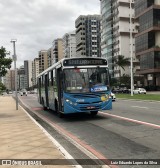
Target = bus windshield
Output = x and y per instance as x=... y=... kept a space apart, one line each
x=86 y=80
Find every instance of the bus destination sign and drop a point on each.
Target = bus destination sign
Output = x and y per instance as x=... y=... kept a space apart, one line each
x=84 y=61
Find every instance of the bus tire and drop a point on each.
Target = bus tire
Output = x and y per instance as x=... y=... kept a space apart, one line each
x=94 y=113
x=60 y=115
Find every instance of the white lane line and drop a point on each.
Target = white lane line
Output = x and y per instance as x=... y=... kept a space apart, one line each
x=140 y=107
x=132 y=120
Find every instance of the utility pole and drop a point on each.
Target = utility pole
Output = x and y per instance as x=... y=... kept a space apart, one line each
x=131 y=47
x=15 y=59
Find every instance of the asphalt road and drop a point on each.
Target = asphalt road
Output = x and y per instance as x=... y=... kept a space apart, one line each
x=130 y=131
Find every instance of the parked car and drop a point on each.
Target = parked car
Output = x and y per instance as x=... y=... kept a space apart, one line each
x=113 y=96
x=121 y=90
x=23 y=92
x=139 y=91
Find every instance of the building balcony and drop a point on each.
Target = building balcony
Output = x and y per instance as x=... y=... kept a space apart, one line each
x=117 y=3
x=116 y=20
x=115 y=42
x=115 y=12
x=140 y=13
x=115 y=28
x=78 y=30
x=116 y=34
x=78 y=24
x=109 y=17
x=147 y=51
x=136 y=63
x=116 y=49
x=152 y=29
x=148 y=71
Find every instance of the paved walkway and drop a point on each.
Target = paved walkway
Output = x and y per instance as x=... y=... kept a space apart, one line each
x=21 y=138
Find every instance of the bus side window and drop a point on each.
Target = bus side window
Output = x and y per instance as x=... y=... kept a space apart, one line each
x=48 y=78
x=42 y=81
x=52 y=78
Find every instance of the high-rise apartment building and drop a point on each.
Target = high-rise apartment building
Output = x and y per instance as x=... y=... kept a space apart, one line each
x=57 y=50
x=28 y=74
x=35 y=71
x=43 y=60
x=69 y=45
x=49 y=55
x=9 y=80
x=21 y=84
x=115 y=34
x=88 y=36
x=148 y=40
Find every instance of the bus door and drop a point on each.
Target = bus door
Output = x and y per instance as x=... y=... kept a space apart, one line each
x=39 y=90
x=46 y=89
x=60 y=88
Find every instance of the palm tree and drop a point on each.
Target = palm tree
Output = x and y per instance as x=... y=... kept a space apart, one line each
x=121 y=61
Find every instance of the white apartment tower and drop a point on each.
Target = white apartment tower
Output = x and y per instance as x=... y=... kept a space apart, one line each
x=21 y=78
x=9 y=80
x=49 y=55
x=69 y=45
x=43 y=60
x=88 y=36
x=28 y=74
x=35 y=71
x=115 y=33
x=57 y=50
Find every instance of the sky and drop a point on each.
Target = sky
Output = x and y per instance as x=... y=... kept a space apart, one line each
x=36 y=23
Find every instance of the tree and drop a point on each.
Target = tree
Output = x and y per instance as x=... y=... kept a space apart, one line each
x=125 y=80
x=2 y=86
x=121 y=62
x=5 y=63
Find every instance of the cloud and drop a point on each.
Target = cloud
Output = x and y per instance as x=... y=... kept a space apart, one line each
x=36 y=23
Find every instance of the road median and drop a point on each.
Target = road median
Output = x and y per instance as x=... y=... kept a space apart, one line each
x=142 y=97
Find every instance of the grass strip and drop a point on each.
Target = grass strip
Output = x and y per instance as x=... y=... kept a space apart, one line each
x=155 y=97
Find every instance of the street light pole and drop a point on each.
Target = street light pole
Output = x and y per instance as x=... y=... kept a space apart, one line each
x=15 y=59
x=131 y=48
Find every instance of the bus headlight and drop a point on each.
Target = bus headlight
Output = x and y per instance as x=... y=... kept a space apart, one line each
x=70 y=102
x=67 y=100
x=104 y=97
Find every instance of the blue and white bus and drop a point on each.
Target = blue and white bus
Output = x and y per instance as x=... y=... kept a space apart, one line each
x=75 y=85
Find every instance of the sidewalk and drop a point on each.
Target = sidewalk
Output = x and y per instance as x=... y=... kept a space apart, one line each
x=21 y=138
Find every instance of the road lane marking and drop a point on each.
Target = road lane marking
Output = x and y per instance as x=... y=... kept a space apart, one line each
x=132 y=120
x=140 y=107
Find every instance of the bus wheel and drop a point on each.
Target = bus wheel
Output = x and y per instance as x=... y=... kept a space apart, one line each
x=61 y=115
x=93 y=113
x=44 y=107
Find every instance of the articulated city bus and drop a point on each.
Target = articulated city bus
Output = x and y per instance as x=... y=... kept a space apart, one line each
x=75 y=85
